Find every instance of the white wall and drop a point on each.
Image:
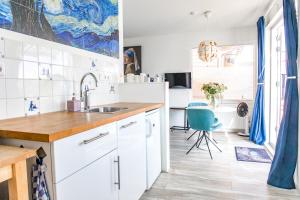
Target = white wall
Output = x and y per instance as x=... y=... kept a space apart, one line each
x=172 y=53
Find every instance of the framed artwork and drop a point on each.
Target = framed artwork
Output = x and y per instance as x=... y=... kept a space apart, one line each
x=133 y=60
x=90 y=25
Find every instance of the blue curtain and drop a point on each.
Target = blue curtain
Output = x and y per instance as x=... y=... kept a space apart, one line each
x=258 y=129
x=286 y=153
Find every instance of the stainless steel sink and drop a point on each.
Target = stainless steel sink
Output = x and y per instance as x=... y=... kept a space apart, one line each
x=106 y=109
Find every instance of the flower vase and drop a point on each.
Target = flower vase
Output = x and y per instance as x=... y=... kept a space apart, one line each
x=214 y=102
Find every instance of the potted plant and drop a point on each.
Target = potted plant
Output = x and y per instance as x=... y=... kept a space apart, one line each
x=213 y=92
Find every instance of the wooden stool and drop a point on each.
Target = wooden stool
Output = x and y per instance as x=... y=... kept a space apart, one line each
x=13 y=168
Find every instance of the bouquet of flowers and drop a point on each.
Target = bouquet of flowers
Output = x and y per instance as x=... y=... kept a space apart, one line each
x=213 y=91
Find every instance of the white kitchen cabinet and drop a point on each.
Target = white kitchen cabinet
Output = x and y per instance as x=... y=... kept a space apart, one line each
x=132 y=154
x=95 y=182
x=75 y=152
x=153 y=146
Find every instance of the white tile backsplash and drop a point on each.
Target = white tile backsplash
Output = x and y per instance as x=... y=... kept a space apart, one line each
x=14 y=88
x=59 y=103
x=44 y=54
x=31 y=88
x=68 y=88
x=58 y=88
x=68 y=73
x=46 y=104
x=46 y=88
x=1 y=46
x=30 y=52
x=15 y=108
x=32 y=106
x=13 y=68
x=57 y=72
x=2 y=68
x=2 y=109
x=2 y=89
x=43 y=78
x=57 y=57
x=45 y=71
x=13 y=49
x=31 y=70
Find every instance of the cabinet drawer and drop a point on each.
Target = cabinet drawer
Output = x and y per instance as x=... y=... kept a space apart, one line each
x=75 y=152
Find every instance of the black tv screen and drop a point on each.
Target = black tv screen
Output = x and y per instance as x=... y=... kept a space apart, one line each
x=179 y=80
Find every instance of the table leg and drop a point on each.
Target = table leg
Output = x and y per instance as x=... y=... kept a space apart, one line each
x=18 y=185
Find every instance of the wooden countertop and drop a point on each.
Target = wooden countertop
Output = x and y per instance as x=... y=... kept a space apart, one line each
x=57 y=125
x=10 y=155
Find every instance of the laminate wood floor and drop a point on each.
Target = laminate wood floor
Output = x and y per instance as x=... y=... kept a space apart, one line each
x=196 y=176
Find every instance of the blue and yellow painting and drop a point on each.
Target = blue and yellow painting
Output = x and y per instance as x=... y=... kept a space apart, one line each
x=86 y=24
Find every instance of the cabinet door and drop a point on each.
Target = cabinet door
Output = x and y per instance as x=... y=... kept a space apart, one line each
x=95 y=182
x=153 y=148
x=132 y=152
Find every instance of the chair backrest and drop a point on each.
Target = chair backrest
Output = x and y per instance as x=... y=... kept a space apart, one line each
x=200 y=119
x=197 y=104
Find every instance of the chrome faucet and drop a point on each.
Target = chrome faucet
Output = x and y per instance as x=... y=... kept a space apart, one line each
x=84 y=95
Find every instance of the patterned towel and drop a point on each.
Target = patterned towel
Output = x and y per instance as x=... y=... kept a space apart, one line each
x=39 y=182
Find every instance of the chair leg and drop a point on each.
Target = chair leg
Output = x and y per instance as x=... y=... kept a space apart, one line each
x=194 y=144
x=200 y=140
x=192 y=135
x=214 y=144
x=205 y=136
x=215 y=141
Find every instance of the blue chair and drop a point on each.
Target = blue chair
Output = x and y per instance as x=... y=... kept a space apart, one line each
x=203 y=121
x=194 y=104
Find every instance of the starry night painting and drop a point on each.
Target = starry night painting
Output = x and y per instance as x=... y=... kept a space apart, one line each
x=86 y=24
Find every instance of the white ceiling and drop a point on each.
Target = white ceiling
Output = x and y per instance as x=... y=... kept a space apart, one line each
x=152 y=17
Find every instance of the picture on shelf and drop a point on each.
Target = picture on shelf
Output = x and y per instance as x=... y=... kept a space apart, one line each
x=133 y=60
x=89 y=25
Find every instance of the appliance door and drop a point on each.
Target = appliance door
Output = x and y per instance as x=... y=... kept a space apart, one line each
x=153 y=148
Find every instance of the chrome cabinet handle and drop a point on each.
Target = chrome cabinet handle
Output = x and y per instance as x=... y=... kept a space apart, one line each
x=127 y=125
x=101 y=135
x=119 y=175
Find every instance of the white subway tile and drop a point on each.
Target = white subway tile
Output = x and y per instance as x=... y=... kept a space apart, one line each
x=46 y=104
x=57 y=72
x=15 y=108
x=13 y=49
x=13 y=68
x=58 y=88
x=44 y=54
x=31 y=88
x=30 y=52
x=31 y=70
x=46 y=88
x=68 y=59
x=59 y=103
x=45 y=71
x=2 y=89
x=14 y=88
x=68 y=88
x=68 y=73
x=1 y=46
x=57 y=57
x=2 y=109
x=32 y=106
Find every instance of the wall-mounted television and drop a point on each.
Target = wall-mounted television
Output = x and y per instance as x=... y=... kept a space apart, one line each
x=179 y=80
